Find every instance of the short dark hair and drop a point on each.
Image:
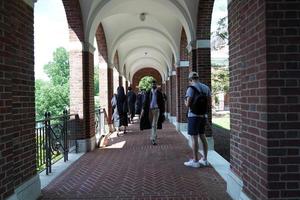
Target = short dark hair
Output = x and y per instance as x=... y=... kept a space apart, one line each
x=154 y=82
x=129 y=88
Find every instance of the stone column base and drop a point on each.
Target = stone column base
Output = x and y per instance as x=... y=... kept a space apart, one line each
x=235 y=187
x=86 y=145
x=30 y=190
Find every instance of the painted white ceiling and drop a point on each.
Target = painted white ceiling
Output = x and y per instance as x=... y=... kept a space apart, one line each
x=149 y=43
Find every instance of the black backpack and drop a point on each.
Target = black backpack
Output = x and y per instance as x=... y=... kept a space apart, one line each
x=199 y=102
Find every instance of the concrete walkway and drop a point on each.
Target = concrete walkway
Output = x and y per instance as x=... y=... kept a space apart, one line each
x=132 y=168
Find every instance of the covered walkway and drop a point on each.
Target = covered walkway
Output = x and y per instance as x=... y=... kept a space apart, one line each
x=131 y=168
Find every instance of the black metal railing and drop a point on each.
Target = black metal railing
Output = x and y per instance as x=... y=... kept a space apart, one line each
x=101 y=126
x=55 y=138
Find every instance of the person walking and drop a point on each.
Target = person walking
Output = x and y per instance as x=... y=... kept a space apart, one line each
x=153 y=107
x=131 y=96
x=197 y=100
x=139 y=103
x=120 y=105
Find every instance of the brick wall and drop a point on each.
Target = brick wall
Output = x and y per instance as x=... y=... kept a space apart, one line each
x=17 y=107
x=203 y=66
x=264 y=97
x=101 y=42
x=145 y=72
x=173 y=100
x=248 y=96
x=110 y=79
x=121 y=81
x=182 y=82
x=182 y=74
x=103 y=68
x=235 y=88
x=88 y=90
x=74 y=17
x=283 y=97
x=168 y=96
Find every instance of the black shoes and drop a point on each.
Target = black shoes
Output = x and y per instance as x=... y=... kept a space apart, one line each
x=153 y=142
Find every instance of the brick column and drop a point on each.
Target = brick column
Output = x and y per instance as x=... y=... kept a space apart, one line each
x=121 y=81
x=82 y=94
x=264 y=65
x=182 y=82
x=126 y=85
x=17 y=102
x=203 y=67
x=168 y=95
x=173 y=94
x=110 y=80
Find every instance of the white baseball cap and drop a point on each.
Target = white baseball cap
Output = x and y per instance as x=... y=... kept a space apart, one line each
x=193 y=75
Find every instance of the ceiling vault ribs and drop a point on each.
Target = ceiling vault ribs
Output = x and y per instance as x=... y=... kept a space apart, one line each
x=151 y=40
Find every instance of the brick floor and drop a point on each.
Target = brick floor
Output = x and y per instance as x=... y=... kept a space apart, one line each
x=138 y=170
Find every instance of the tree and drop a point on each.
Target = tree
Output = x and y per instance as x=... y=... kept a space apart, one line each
x=220 y=36
x=53 y=96
x=146 y=83
x=220 y=80
x=58 y=69
x=96 y=80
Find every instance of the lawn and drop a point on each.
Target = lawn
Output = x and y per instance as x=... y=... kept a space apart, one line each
x=223 y=122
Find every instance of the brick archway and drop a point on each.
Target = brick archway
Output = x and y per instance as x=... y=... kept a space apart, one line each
x=145 y=72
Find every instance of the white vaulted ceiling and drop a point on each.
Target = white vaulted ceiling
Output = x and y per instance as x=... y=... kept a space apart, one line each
x=149 y=43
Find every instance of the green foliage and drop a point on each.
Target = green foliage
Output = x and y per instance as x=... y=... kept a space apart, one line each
x=96 y=80
x=220 y=80
x=146 y=83
x=220 y=36
x=223 y=122
x=53 y=95
x=58 y=69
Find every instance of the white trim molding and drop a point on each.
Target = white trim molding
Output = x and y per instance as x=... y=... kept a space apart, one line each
x=87 y=47
x=30 y=190
x=80 y=46
x=184 y=63
x=202 y=44
x=30 y=2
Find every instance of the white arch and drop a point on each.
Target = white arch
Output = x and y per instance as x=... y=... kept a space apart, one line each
x=149 y=61
x=183 y=16
x=140 y=67
x=137 y=50
x=154 y=31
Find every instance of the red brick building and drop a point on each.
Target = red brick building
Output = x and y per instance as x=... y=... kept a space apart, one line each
x=173 y=38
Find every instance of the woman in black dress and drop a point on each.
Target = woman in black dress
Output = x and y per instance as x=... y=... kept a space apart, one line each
x=121 y=108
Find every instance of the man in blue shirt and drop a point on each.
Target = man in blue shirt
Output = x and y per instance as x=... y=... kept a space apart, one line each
x=196 y=123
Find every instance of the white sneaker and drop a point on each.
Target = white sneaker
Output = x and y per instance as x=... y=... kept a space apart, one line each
x=192 y=163
x=203 y=162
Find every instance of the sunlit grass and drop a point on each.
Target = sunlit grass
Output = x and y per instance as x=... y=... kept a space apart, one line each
x=223 y=122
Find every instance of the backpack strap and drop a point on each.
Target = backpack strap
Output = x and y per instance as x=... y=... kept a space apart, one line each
x=197 y=91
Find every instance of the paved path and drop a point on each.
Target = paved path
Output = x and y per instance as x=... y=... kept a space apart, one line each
x=132 y=168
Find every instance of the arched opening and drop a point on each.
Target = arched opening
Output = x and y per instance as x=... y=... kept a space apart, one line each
x=220 y=79
x=51 y=59
x=137 y=77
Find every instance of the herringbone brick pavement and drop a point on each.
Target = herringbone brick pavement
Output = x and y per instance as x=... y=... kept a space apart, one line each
x=138 y=170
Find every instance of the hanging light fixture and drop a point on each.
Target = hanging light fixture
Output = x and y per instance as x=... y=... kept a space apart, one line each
x=143 y=16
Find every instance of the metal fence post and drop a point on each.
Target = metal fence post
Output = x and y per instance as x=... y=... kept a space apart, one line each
x=65 y=136
x=48 y=143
